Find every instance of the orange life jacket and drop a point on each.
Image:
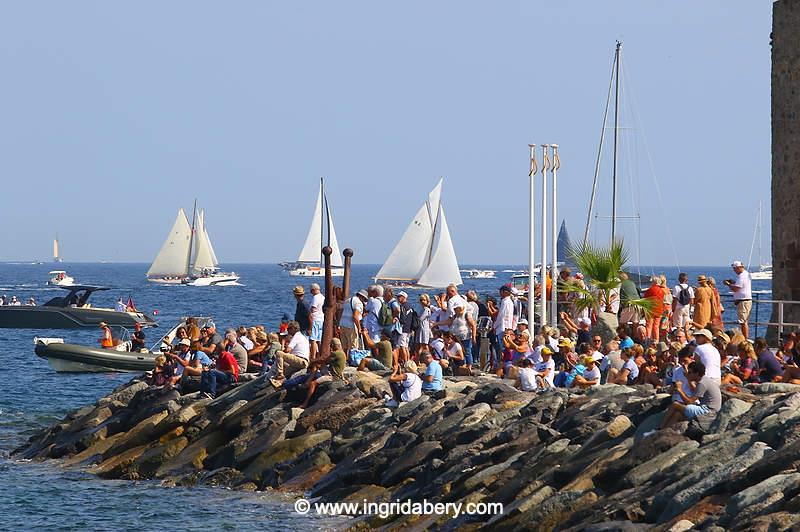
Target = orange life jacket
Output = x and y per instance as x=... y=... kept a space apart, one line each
x=107 y=340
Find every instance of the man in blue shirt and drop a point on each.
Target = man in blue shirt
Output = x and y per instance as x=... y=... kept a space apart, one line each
x=432 y=379
x=190 y=362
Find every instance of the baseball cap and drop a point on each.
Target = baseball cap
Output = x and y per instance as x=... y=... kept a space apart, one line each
x=185 y=341
x=737 y=264
x=597 y=356
x=627 y=342
x=586 y=321
x=523 y=321
x=403 y=294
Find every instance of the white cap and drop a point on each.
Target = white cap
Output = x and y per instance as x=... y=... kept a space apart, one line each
x=587 y=321
x=597 y=356
x=737 y=264
x=402 y=294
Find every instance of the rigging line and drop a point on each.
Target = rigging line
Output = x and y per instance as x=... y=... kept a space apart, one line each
x=599 y=156
x=753 y=241
x=640 y=122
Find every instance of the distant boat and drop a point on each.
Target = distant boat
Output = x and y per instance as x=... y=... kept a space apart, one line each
x=764 y=272
x=424 y=256
x=310 y=261
x=187 y=256
x=60 y=278
x=480 y=274
x=56 y=254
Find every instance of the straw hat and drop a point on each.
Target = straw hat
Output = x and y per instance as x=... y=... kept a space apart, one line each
x=410 y=366
x=299 y=290
x=102 y=324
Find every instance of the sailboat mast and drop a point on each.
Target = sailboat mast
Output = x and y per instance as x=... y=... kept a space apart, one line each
x=323 y=208
x=616 y=134
x=191 y=239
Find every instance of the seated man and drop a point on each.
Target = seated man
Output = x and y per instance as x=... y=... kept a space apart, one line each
x=293 y=359
x=226 y=373
x=325 y=369
x=273 y=345
x=705 y=401
x=406 y=384
x=384 y=358
x=590 y=376
x=190 y=364
x=432 y=379
x=231 y=343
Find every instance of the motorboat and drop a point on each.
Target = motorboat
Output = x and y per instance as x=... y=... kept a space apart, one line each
x=75 y=358
x=424 y=256
x=72 y=311
x=764 y=273
x=187 y=256
x=480 y=274
x=310 y=261
x=60 y=278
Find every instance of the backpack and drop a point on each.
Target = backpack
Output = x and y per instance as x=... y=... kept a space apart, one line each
x=415 y=321
x=385 y=318
x=683 y=296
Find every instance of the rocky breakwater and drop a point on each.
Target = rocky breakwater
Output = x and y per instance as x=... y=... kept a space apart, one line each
x=556 y=460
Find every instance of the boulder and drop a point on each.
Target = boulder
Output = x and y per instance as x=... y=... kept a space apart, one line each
x=763 y=498
x=775 y=387
x=283 y=451
x=409 y=459
x=373 y=385
x=192 y=456
x=459 y=420
x=142 y=433
x=660 y=462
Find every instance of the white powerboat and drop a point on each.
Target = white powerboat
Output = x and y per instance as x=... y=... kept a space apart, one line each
x=424 y=256
x=764 y=273
x=310 y=261
x=480 y=274
x=60 y=278
x=187 y=256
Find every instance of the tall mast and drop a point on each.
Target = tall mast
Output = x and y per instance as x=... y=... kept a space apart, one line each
x=191 y=240
x=616 y=132
x=323 y=209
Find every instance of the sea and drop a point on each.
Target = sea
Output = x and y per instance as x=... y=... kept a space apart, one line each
x=33 y=396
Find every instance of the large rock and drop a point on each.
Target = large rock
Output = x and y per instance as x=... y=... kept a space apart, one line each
x=458 y=421
x=731 y=409
x=141 y=434
x=660 y=462
x=283 y=451
x=776 y=387
x=763 y=498
x=408 y=460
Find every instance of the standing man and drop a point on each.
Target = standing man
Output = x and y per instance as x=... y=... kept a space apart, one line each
x=372 y=312
x=301 y=310
x=405 y=320
x=682 y=301
x=350 y=322
x=504 y=320
x=317 y=318
x=454 y=300
x=107 y=340
x=137 y=338
x=120 y=306
x=742 y=295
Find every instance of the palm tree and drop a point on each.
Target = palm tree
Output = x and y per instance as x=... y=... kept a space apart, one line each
x=601 y=268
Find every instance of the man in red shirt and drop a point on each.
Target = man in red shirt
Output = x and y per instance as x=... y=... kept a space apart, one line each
x=226 y=373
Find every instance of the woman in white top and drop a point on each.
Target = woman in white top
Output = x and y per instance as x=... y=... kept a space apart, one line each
x=406 y=384
x=423 y=334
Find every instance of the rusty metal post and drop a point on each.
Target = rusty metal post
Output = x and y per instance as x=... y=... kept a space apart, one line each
x=329 y=308
x=348 y=255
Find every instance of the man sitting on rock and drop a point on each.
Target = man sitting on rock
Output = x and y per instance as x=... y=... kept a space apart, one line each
x=384 y=359
x=236 y=349
x=291 y=360
x=526 y=376
x=706 y=400
x=225 y=374
x=325 y=369
x=432 y=379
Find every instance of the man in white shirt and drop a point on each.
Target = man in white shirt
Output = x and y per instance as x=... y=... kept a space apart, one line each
x=350 y=321
x=293 y=358
x=682 y=301
x=454 y=300
x=120 y=306
x=372 y=312
x=706 y=353
x=505 y=314
x=742 y=296
x=317 y=318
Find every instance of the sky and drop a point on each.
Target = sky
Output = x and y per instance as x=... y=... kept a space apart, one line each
x=113 y=115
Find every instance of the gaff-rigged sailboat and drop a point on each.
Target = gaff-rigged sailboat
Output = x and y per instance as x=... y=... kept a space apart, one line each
x=309 y=263
x=424 y=256
x=56 y=252
x=187 y=257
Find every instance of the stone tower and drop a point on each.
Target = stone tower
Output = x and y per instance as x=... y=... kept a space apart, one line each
x=786 y=157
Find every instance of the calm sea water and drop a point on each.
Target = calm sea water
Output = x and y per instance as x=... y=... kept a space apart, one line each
x=33 y=396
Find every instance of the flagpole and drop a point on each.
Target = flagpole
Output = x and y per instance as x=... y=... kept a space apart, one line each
x=543 y=282
x=554 y=241
x=531 y=237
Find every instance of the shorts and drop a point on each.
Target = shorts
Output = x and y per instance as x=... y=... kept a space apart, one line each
x=402 y=339
x=680 y=318
x=743 y=309
x=695 y=410
x=373 y=364
x=316 y=331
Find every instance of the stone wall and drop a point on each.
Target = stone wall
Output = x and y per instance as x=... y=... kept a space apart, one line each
x=786 y=156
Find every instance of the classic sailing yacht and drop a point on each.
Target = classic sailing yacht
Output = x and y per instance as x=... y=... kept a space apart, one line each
x=309 y=263
x=764 y=272
x=187 y=257
x=424 y=256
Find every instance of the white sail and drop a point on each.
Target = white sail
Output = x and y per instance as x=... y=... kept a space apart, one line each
x=443 y=266
x=56 y=256
x=434 y=200
x=173 y=258
x=409 y=258
x=313 y=247
x=336 y=256
x=203 y=253
x=211 y=248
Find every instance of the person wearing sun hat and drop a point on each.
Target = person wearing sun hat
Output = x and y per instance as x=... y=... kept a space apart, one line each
x=742 y=294
x=107 y=340
x=703 y=300
x=302 y=313
x=546 y=369
x=706 y=353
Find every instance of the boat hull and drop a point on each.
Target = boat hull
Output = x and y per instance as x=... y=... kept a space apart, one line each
x=73 y=358
x=761 y=276
x=43 y=317
x=315 y=272
x=214 y=280
x=166 y=280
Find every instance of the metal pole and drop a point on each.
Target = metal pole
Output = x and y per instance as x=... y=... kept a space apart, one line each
x=543 y=274
x=329 y=307
x=531 y=238
x=616 y=131
x=348 y=256
x=554 y=241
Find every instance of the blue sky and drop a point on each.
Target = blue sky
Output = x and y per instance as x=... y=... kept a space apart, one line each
x=113 y=115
